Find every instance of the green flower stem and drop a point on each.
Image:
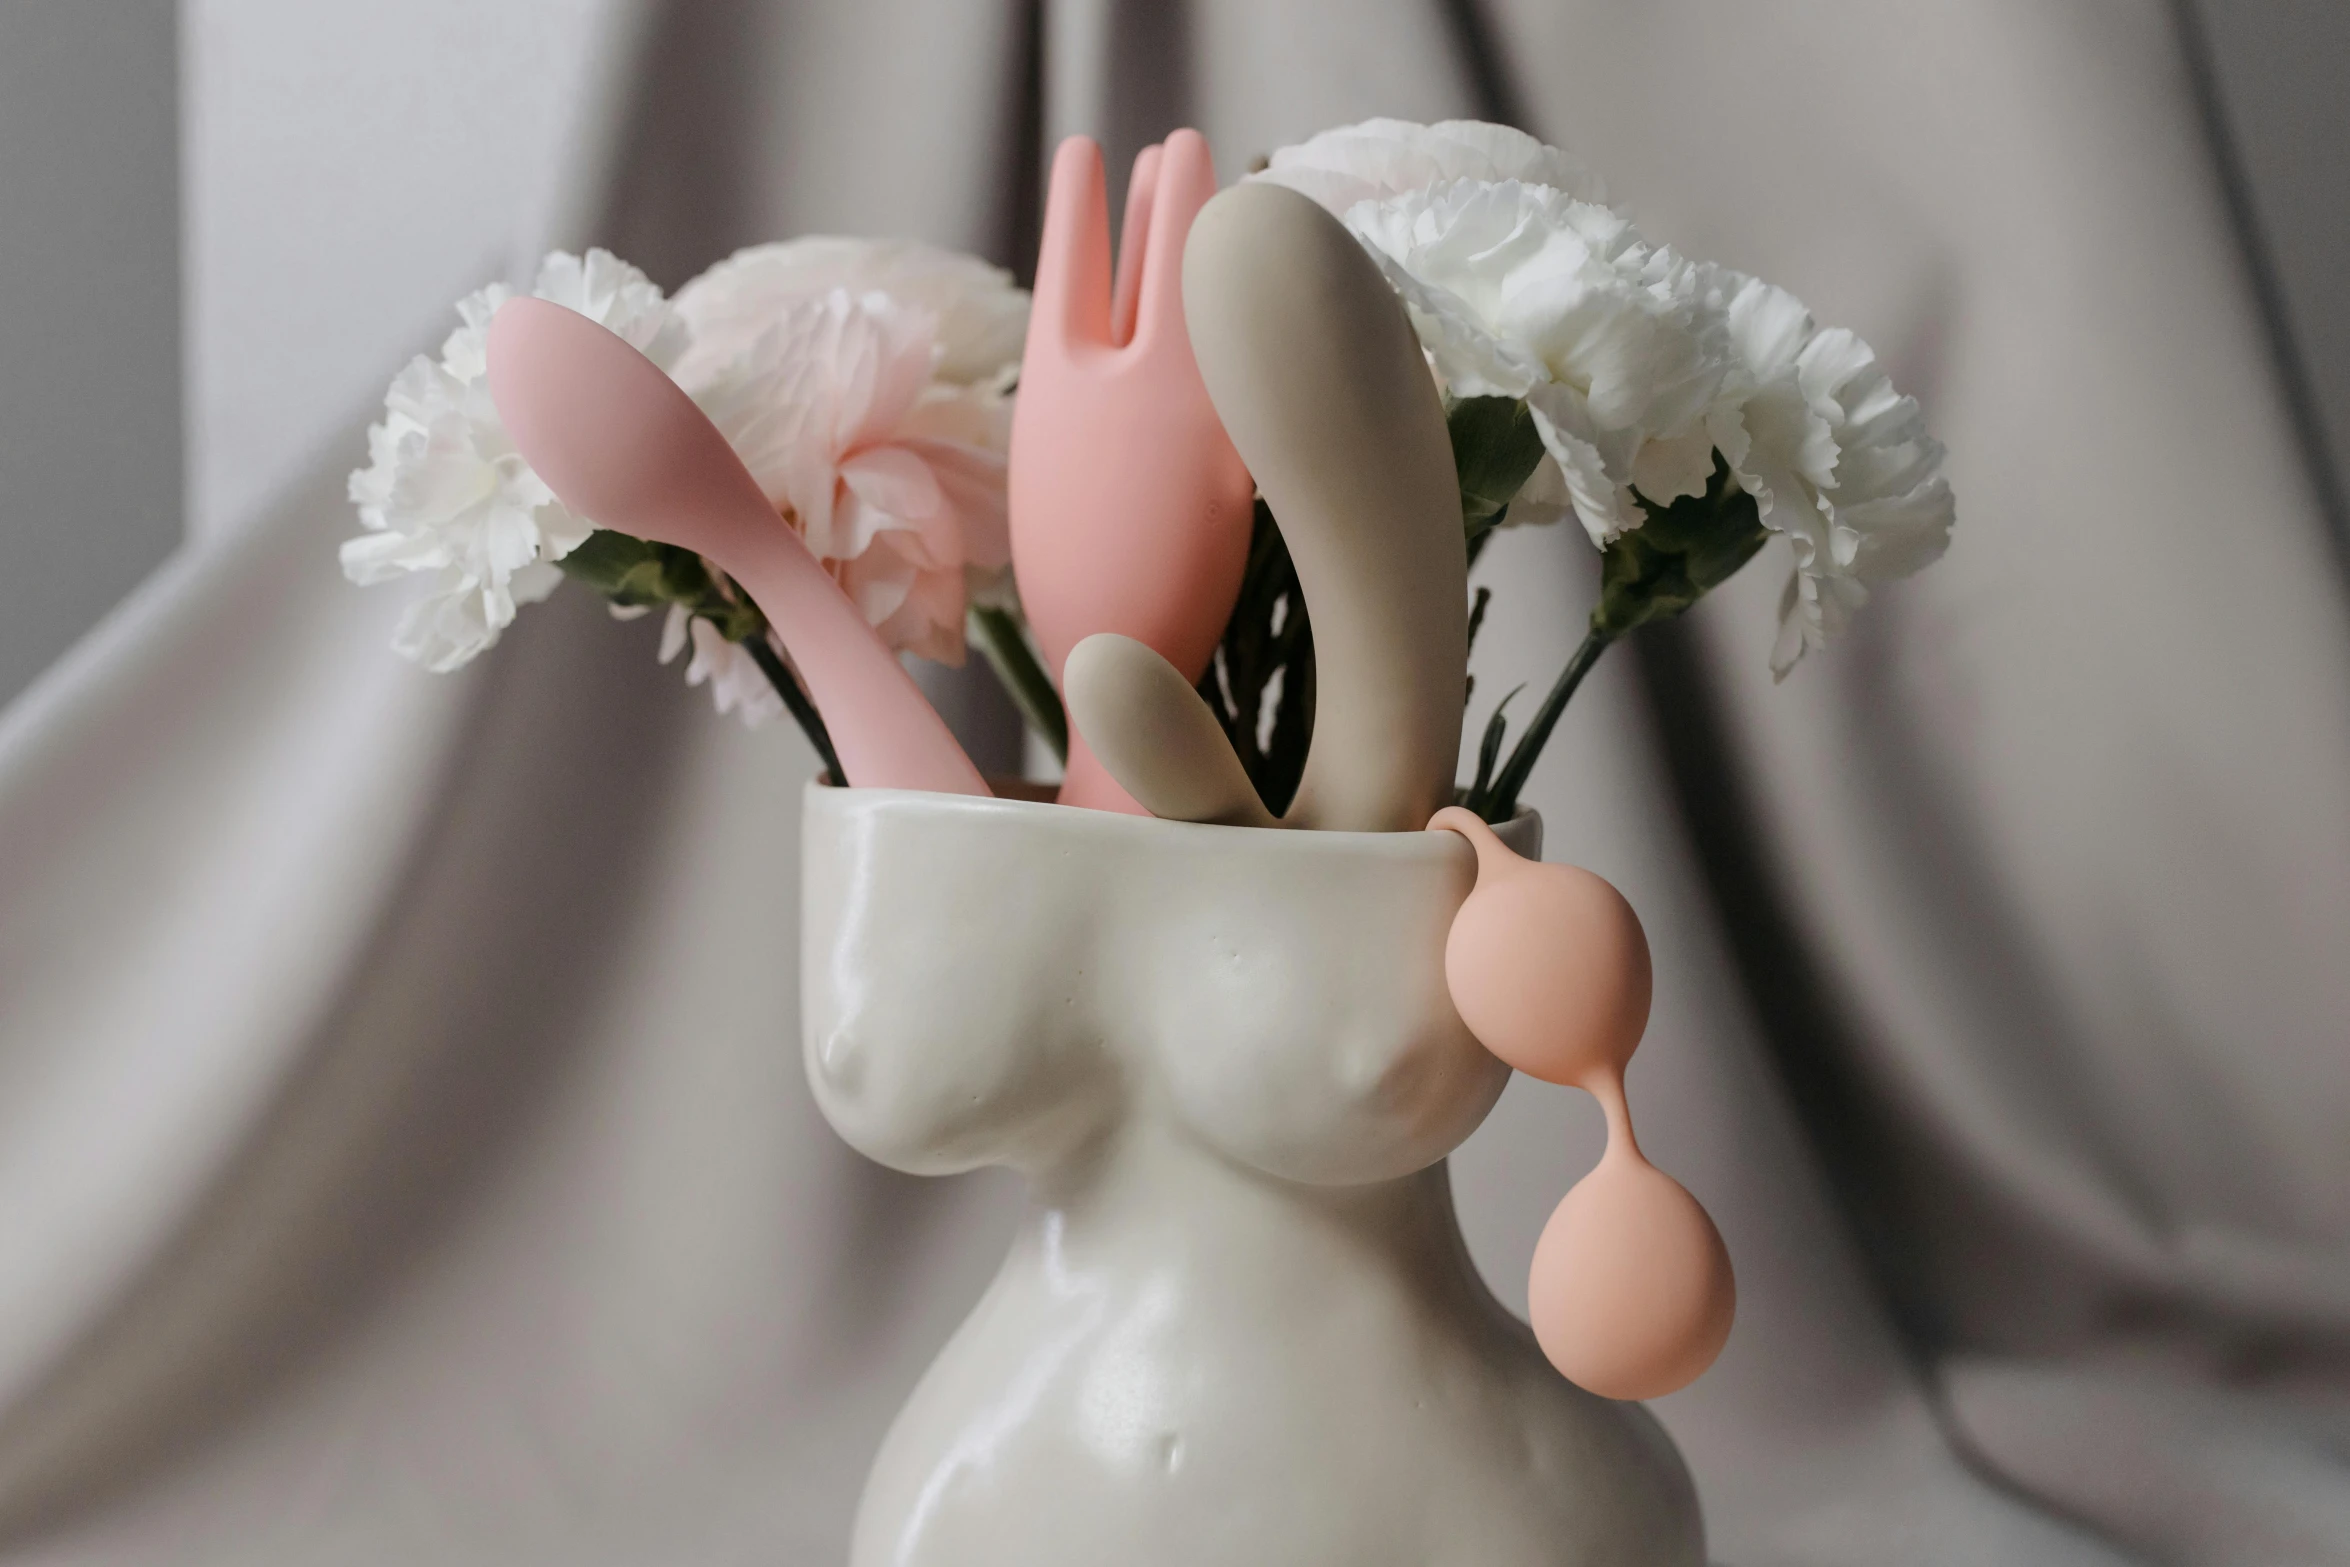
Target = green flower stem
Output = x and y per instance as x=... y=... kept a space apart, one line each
x=787 y=686
x=1000 y=637
x=1501 y=802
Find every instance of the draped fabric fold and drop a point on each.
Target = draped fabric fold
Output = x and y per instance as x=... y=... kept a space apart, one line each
x=404 y=1154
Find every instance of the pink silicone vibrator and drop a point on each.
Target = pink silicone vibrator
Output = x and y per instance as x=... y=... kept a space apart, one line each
x=621 y=443
x=1130 y=509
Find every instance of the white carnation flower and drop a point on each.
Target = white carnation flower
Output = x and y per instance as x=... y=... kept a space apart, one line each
x=1637 y=366
x=445 y=492
x=1838 y=462
x=1520 y=290
x=893 y=474
x=737 y=684
x=1380 y=158
x=980 y=315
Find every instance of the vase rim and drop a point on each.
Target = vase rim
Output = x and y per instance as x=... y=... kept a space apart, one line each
x=834 y=799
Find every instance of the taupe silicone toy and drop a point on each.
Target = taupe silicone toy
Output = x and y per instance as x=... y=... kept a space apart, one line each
x=1238 y=1324
x=1319 y=380
x=1153 y=733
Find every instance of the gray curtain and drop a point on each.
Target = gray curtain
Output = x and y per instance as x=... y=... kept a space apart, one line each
x=403 y=1151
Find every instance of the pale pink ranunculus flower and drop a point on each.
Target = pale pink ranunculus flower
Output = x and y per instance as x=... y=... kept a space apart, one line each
x=876 y=418
x=981 y=315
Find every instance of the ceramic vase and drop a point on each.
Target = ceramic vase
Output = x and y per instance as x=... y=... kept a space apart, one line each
x=1238 y=1324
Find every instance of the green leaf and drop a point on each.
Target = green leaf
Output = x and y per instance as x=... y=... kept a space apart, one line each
x=1476 y=620
x=622 y=568
x=1500 y=802
x=796 y=703
x=1268 y=638
x=1489 y=751
x=642 y=574
x=1004 y=639
x=1677 y=555
x=1495 y=448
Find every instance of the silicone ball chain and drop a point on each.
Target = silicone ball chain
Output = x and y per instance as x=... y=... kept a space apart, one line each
x=1631 y=1293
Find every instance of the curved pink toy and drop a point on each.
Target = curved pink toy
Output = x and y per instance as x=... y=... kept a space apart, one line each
x=1631 y=1293
x=1130 y=509
x=620 y=442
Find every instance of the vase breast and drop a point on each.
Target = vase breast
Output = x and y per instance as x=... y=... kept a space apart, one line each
x=1237 y=1324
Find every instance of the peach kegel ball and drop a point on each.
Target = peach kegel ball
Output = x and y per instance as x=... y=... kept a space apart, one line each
x=1631 y=1293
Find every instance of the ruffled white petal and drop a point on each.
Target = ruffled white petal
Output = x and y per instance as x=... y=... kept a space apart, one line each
x=446 y=496
x=1383 y=157
x=1519 y=290
x=1839 y=463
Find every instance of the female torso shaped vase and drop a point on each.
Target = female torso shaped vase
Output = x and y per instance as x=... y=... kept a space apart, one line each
x=1238 y=1324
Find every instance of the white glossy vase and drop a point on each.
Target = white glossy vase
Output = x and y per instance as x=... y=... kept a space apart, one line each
x=1238 y=1327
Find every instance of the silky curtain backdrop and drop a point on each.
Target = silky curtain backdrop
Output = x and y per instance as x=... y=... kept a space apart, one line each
x=403 y=1150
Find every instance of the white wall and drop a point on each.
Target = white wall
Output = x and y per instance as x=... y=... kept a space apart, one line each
x=2280 y=66
x=89 y=317
x=351 y=170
